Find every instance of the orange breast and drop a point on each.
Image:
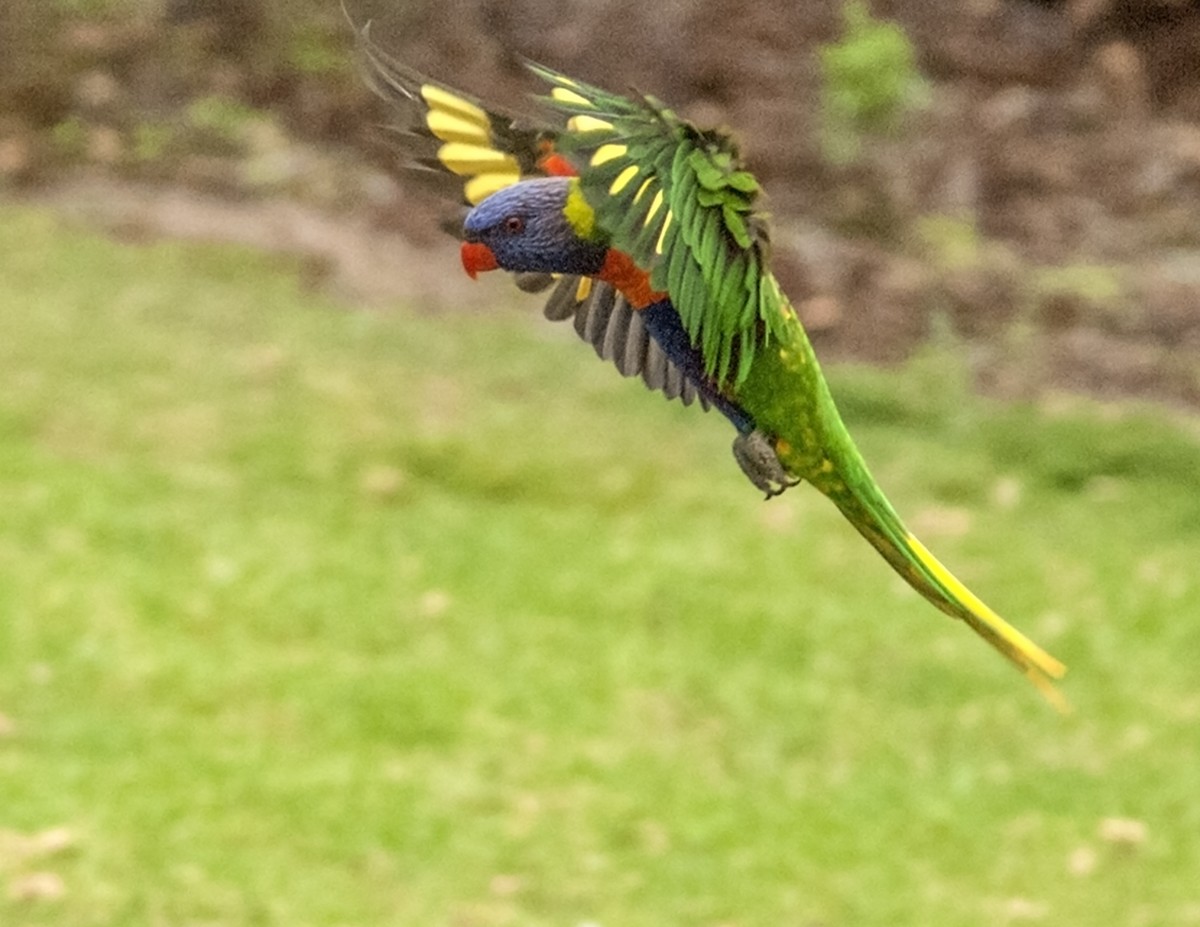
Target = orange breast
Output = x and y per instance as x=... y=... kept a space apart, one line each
x=633 y=282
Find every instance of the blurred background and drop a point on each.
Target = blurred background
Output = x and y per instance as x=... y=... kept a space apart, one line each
x=992 y=162
x=336 y=589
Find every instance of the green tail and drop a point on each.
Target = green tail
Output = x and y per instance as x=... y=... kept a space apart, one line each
x=789 y=398
x=873 y=516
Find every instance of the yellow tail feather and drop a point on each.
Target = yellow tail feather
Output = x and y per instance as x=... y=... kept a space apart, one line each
x=1038 y=666
x=873 y=516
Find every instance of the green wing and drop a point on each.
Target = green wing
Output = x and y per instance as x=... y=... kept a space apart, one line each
x=454 y=145
x=677 y=200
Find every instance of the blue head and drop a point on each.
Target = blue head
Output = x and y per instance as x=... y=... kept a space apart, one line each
x=526 y=227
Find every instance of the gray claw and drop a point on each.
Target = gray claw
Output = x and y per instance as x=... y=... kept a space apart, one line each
x=755 y=454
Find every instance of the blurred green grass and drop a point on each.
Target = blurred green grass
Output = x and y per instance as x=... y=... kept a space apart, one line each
x=312 y=616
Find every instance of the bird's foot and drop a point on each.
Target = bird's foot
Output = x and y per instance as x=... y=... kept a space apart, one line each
x=755 y=454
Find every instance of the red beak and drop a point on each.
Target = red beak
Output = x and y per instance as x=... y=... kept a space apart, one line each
x=477 y=258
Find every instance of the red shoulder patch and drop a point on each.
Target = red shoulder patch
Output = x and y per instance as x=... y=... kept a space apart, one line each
x=555 y=164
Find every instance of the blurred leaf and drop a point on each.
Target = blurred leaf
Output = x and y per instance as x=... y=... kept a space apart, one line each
x=870 y=81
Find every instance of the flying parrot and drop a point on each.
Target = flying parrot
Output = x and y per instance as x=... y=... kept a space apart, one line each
x=647 y=232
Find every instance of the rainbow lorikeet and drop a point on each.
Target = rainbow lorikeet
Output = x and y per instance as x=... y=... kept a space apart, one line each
x=645 y=230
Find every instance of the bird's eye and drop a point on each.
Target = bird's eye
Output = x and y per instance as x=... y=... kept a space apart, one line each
x=514 y=225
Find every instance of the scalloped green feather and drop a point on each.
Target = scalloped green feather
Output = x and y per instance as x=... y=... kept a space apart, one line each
x=707 y=197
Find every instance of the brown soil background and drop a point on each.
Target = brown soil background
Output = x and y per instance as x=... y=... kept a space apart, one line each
x=1043 y=206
